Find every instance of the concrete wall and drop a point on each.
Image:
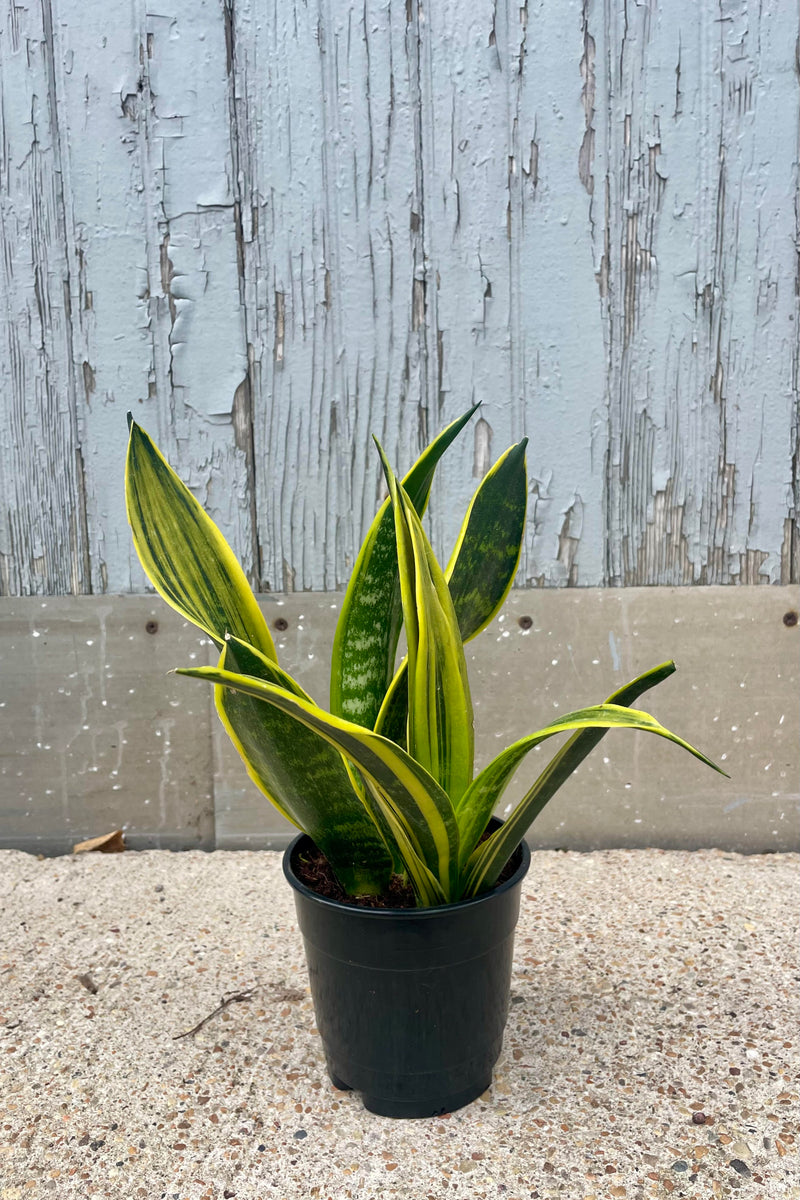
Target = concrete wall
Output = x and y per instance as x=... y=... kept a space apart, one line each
x=272 y=228
x=95 y=735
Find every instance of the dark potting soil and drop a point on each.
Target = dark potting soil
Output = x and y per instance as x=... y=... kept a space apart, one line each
x=314 y=870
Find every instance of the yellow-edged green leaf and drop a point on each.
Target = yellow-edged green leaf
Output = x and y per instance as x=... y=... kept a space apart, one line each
x=426 y=886
x=481 y=569
x=440 y=730
x=304 y=776
x=368 y=628
x=489 y=858
x=485 y=558
x=475 y=809
x=404 y=789
x=184 y=555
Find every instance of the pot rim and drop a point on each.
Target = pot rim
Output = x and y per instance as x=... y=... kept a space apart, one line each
x=416 y=914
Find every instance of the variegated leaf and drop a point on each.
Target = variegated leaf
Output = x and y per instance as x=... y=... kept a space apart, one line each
x=488 y=859
x=404 y=789
x=368 y=628
x=184 y=555
x=475 y=809
x=481 y=569
x=440 y=731
x=304 y=776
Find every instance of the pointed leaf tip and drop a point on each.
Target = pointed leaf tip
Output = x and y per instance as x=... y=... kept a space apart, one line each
x=369 y=622
x=183 y=553
x=130 y=421
x=387 y=470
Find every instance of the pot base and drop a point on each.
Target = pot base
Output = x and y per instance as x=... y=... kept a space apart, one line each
x=338 y=1083
x=415 y=1109
x=383 y=1107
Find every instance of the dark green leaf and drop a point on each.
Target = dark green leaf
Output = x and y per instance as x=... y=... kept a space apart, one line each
x=369 y=624
x=304 y=776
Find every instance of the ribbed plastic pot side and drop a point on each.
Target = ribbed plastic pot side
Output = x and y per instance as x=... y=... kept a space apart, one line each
x=411 y=1004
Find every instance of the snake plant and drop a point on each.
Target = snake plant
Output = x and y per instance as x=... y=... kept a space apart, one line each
x=384 y=782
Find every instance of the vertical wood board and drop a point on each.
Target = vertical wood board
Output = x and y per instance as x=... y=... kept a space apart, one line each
x=698 y=153
x=43 y=534
x=325 y=133
x=145 y=144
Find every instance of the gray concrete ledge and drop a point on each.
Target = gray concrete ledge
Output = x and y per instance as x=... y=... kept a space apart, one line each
x=94 y=734
x=648 y=986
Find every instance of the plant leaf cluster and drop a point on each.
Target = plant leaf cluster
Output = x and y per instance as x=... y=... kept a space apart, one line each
x=383 y=782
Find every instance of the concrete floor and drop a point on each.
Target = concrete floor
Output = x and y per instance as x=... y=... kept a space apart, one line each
x=649 y=987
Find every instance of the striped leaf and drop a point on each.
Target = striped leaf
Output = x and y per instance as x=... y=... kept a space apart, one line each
x=481 y=569
x=368 y=628
x=184 y=555
x=304 y=776
x=440 y=731
x=474 y=812
x=488 y=859
x=486 y=554
x=404 y=790
x=426 y=886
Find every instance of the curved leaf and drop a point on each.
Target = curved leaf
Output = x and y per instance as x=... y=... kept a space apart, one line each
x=184 y=555
x=368 y=628
x=473 y=816
x=426 y=886
x=404 y=790
x=305 y=777
x=488 y=859
x=392 y=718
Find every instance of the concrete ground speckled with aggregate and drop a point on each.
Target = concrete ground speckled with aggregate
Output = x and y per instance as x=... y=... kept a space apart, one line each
x=651 y=1048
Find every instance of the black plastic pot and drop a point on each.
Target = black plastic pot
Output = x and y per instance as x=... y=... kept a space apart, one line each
x=411 y=1004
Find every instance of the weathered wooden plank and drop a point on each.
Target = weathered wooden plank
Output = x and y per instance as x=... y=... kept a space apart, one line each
x=271 y=230
x=699 y=157
x=43 y=536
x=557 y=332
x=330 y=215
x=497 y=224
x=790 y=551
x=464 y=153
x=151 y=238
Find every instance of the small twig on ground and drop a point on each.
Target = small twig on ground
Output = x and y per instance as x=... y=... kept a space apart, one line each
x=234 y=998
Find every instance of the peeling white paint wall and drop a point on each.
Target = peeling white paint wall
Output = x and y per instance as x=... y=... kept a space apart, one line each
x=270 y=229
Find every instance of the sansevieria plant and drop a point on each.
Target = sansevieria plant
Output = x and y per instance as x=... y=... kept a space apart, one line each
x=383 y=783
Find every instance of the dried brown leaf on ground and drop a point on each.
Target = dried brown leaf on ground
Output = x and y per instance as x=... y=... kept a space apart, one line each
x=108 y=843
